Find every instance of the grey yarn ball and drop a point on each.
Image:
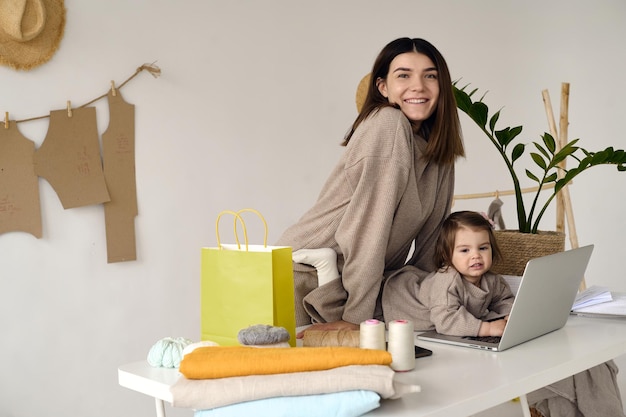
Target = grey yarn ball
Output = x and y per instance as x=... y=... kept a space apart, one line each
x=262 y=334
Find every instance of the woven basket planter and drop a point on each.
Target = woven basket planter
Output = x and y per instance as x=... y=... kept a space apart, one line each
x=518 y=248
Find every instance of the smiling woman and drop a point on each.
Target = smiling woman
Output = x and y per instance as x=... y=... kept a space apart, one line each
x=391 y=189
x=412 y=86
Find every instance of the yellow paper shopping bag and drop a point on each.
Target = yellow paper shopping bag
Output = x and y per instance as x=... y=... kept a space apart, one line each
x=244 y=284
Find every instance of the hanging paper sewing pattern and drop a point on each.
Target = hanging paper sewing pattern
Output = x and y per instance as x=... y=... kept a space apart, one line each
x=20 y=208
x=118 y=148
x=69 y=158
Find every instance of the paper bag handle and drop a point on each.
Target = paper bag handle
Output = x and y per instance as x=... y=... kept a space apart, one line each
x=237 y=217
x=251 y=210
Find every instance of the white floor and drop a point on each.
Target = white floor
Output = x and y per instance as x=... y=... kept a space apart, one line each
x=513 y=409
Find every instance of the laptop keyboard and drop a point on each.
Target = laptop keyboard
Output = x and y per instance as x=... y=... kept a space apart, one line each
x=486 y=339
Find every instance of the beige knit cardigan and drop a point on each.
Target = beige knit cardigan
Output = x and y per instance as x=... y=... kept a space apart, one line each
x=381 y=196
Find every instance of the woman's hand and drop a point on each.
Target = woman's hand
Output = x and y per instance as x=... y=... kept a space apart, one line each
x=335 y=325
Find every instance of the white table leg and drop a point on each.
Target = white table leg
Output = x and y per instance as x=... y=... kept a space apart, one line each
x=160 y=407
x=524 y=403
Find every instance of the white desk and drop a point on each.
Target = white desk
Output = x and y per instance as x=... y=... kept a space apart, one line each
x=458 y=381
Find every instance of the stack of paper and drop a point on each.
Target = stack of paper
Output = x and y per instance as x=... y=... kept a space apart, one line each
x=592 y=296
x=600 y=302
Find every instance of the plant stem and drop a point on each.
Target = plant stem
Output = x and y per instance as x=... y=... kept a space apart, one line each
x=521 y=211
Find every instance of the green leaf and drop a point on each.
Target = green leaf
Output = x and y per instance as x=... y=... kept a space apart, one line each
x=565 y=180
x=463 y=101
x=539 y=160
x=542 y=150
x=619 y=156
x=551 y=178
x=464 y=87
x=616 y=157
x=598 y=158
x=562 y=154
x=518 y=150
x=515 y=131
x=584 y=163
x=532 y=176
x=570 y=145
x=493 y=121
x=503 y=136
x=479 y=113
x=548 y=140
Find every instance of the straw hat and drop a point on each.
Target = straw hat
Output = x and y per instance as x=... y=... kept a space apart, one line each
x=361 y=91
x=30 y=31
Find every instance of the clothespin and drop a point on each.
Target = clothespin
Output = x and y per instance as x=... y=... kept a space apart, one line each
x=113 y=91
x=497 y=194
x=69 y=108
x=6 y=119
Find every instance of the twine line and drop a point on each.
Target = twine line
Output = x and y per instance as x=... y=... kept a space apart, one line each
x=154 y=70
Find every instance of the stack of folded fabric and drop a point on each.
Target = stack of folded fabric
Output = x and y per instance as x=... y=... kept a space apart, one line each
x=233 y=381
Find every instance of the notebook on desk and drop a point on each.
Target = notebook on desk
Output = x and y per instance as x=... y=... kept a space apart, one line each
x=615 y=308
x=542 y=304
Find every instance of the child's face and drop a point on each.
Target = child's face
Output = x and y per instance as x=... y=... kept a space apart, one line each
x=472 y=253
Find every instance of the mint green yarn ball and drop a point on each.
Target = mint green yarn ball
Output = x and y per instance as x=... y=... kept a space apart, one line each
x=167 y=352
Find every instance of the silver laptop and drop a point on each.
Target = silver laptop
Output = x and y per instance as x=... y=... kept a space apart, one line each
x=542 y=304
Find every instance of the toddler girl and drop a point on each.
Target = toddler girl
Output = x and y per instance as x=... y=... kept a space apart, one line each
x=461 y=298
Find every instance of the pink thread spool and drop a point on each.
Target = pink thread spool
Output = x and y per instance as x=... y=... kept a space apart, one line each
x=372 y=335
x=401 y=345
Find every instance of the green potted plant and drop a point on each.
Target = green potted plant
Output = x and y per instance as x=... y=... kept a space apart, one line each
x=545 y=155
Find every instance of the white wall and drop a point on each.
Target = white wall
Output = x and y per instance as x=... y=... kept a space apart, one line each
x=254 y=99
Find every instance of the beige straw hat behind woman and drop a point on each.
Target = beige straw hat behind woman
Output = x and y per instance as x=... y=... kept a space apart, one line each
x=30 y=31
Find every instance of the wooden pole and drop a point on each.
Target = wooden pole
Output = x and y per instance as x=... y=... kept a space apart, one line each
x=564 y=201
x=498 y=193
x=567 y=201
x=560 y=217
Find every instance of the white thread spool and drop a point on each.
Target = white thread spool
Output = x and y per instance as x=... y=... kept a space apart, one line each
x=401 y=345
x=372 y=335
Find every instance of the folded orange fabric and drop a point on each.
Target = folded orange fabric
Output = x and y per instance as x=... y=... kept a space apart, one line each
x=229 y=361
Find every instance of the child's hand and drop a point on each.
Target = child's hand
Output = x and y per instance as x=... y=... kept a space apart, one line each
x=492 y=328
x=497 y=327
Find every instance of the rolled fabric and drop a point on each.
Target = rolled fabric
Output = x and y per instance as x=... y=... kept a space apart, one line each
x=211 y=393
x=229 y=361
x=318 y=338
x=338 y=404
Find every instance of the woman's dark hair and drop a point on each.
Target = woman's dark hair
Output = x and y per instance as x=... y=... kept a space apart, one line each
x=469 y=219
x=442 y=130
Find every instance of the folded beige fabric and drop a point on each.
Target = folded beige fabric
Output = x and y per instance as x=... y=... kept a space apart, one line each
x=210 y=393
